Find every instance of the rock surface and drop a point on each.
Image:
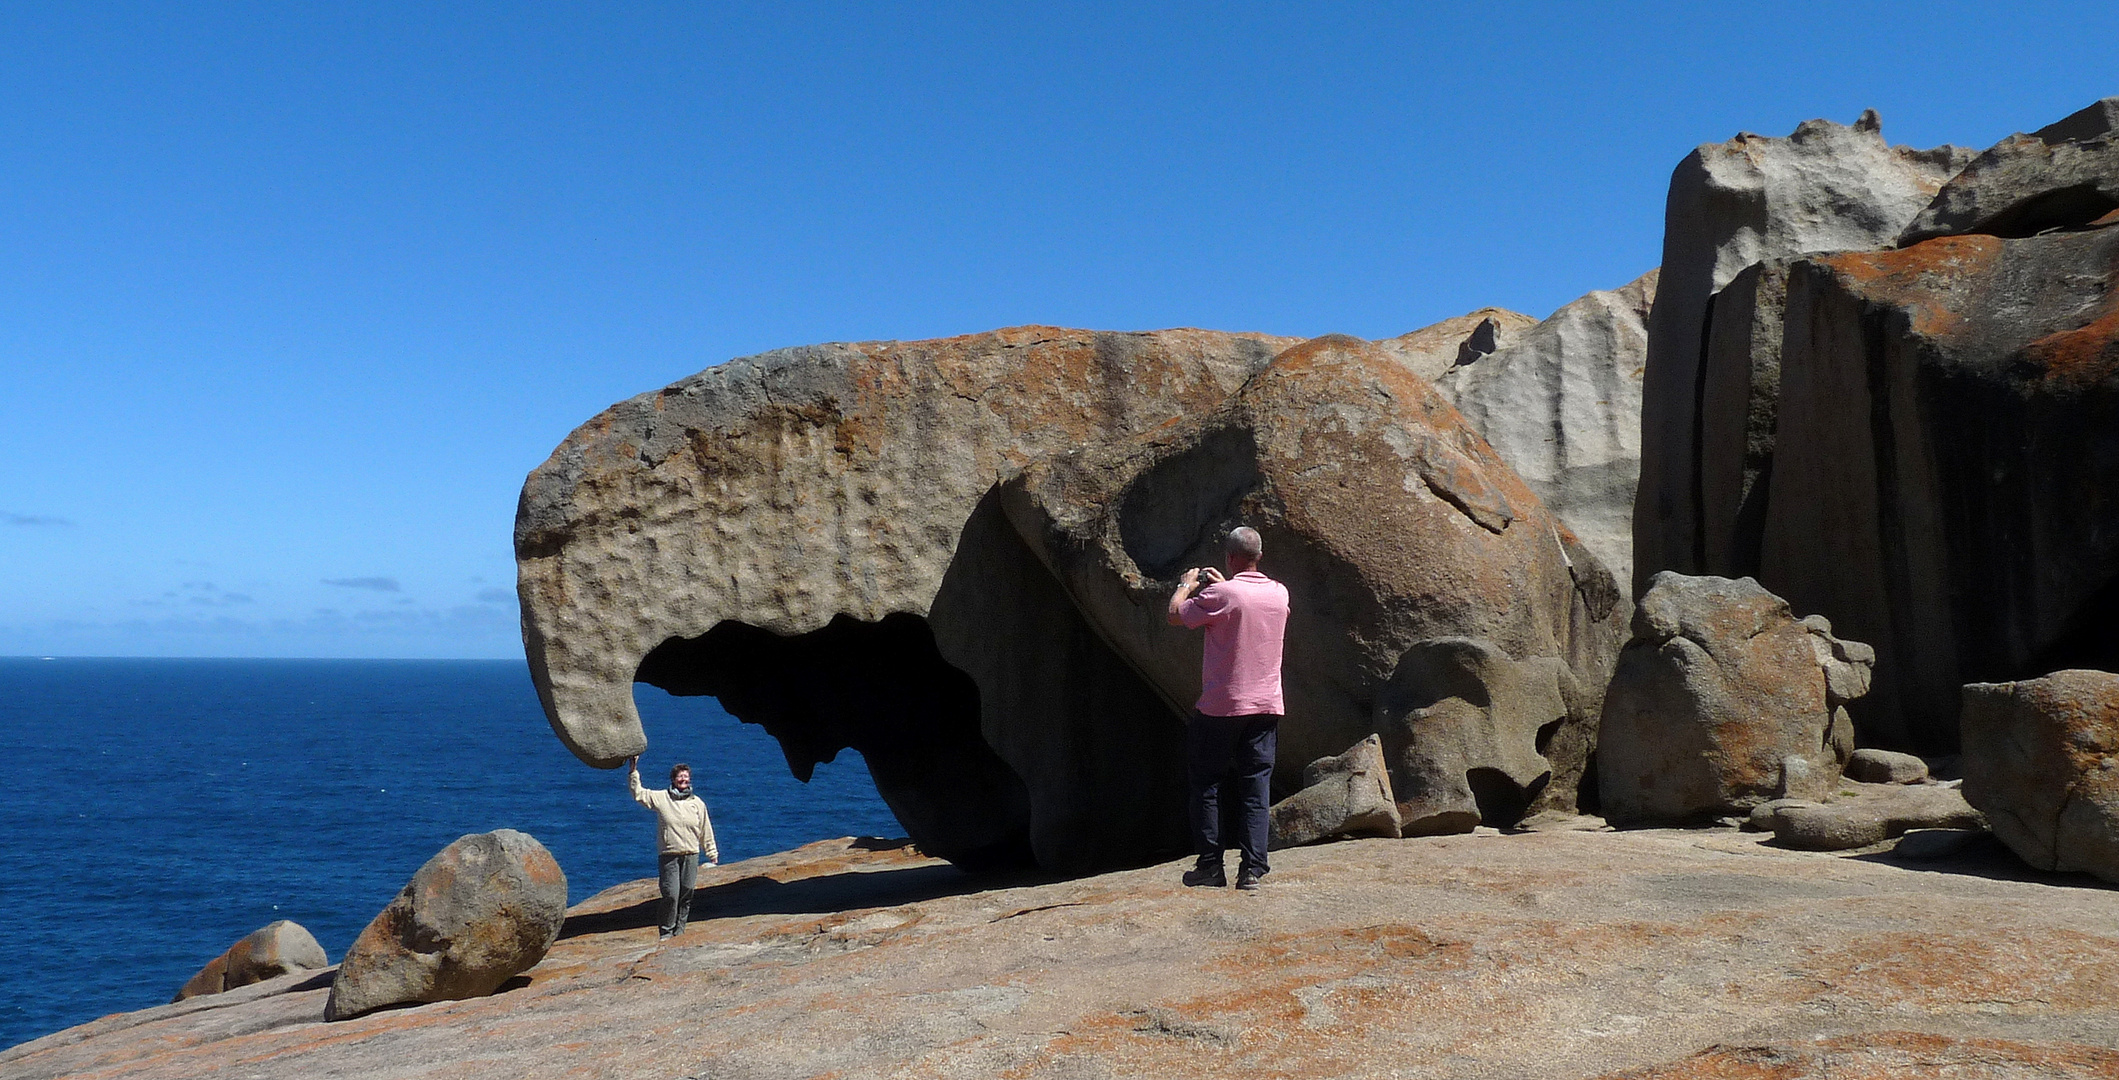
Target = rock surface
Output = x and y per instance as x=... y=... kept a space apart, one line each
x=2041 y=758
x=278 y=948
x=480 y=912
x=1561 y=403
x=1721 y=701
x=808 y=535
x=1344 y=796
x=1872 y=766
x=1915 y=443
x=1436 y=602
x=1552 y=954
x=1732 y=205
x=1940 y=485
x=1432 y=350
x=1859 y=815
x=2065 y=175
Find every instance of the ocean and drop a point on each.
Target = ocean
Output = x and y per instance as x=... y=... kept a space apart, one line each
x=152 y=812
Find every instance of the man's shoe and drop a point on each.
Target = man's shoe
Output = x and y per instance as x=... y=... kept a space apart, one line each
x=1247 y=879
x=1211 y=876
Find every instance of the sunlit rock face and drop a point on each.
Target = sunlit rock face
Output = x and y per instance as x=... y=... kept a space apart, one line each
x=1560 y=401
x=1897 y=410
x=807 y=533
x=1436 y=602
x=867 y=546
x=1732 y=205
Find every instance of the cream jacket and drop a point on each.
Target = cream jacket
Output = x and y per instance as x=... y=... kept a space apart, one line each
x=685 y=827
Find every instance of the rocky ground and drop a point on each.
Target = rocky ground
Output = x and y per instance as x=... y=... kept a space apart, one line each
x=1560 y=952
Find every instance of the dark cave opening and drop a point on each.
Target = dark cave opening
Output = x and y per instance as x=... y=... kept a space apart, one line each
x=883 y=689
x=2089 y=638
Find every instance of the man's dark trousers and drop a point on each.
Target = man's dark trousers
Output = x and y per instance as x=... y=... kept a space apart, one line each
x=1231 y=758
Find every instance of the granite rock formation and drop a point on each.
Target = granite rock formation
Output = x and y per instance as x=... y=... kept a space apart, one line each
x=809 y=534
x=2041 y=759
x=1429 y=581
x=1561 y=403
x=1872 y=766
x=1695 y=953
x=1859 y=815
x=2059 y=176
x=278 y=948
x=1724 y=700
x=842 y=544
x=483 y=910
x=1918 y=442
x=1433 y=350
x=1344 y=796
x=1732 y=205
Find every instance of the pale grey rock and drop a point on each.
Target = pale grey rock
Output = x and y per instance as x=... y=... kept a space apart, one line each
x=1721 y=701
x=1825 y=187
x=1765 y=817
x=1872 y=766
x=278 y=948
x=1561 y=404
x=1436 y=602
x=1862 y=815
x=2041 y=759
x=480 y=912
x=2064 y=175
x=1739 y=402
x=1432 y=350
x=1880 y=434
x=1474 y=735
x=808 y=535
x=1343 y=796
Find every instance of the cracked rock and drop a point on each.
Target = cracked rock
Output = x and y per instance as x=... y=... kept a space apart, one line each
x=2041 y=759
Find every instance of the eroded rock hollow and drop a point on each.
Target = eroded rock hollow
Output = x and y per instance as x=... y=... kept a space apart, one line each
x=952 y=556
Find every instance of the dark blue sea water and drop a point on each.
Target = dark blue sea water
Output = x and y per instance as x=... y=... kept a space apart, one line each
x=154 y=811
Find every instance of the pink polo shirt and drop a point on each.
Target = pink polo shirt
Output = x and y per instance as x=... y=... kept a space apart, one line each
x=1246 y=616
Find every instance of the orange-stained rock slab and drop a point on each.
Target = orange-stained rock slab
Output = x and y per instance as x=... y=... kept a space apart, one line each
x=1553 y=954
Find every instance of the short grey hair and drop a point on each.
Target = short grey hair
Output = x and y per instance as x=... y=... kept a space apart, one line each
x=1244 y=540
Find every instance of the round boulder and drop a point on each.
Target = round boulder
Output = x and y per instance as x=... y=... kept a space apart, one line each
x=481 y=911
x=275 y=949
x=2041 y=758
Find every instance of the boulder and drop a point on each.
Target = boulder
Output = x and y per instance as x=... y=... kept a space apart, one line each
x=2041 y=759
x=1825 y=187
x=1561 y=403
x=278 y=948
x=1944 y=448
x=2062 y=176
x=1344 y=796
x=1432 y=350
x=1872 y=766
x=480 y=912
x=1723 y=700
x=1436 y=601
x=1912 y=442
x=1859 y=815
x=809 y=535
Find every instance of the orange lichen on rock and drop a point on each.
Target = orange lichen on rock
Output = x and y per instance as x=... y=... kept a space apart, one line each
x=2085 y=356
x=1922 y=277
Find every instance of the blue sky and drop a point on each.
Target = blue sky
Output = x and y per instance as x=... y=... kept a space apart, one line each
x=293 y=296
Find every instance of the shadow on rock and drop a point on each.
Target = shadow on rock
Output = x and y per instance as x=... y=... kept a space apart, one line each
x=1986 y=858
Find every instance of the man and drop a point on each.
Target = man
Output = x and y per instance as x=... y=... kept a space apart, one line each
x=686 y=836
x=1235 y=731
